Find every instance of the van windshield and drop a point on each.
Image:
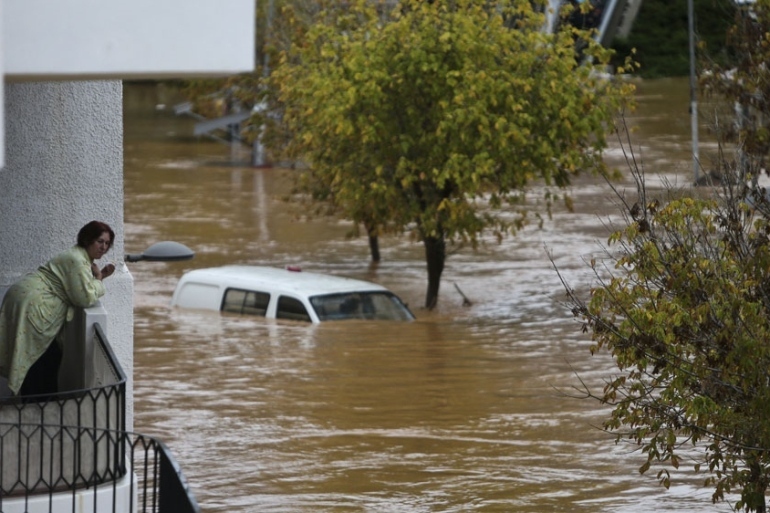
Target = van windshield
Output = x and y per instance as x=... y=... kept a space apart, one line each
x=379 y=305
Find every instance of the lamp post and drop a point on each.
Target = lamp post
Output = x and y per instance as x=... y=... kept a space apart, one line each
x=164 y=251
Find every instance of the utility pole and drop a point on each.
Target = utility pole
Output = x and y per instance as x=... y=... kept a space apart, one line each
x=693 y=86
x=268 y=33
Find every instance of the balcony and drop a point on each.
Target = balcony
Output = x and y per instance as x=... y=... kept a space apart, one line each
x=70 y=452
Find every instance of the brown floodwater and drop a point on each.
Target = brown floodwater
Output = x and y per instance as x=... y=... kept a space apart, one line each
x=469 y=408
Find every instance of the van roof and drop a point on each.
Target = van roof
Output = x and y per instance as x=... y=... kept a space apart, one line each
x=272 y=278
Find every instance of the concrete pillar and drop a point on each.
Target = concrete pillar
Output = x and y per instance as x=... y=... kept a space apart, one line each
x=64 y=168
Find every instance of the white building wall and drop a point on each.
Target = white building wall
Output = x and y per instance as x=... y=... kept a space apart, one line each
x=2 y=95
x=47 y=39
x=61 y=66
x=64 y=168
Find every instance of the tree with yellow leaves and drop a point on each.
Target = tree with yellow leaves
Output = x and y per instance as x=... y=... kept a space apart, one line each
x=435 y=116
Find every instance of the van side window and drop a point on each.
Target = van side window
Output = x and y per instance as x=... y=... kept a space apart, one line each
x=245 y=302
x=290 y=308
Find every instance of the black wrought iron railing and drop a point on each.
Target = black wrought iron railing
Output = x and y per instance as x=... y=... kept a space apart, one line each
x=70 y=452
x=140 y=476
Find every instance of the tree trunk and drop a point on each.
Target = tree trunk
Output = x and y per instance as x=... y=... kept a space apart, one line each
x=374 y=242
x=435 y=256
x=757 y=487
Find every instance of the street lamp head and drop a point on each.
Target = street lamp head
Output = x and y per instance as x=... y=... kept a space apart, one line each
x=164 y=251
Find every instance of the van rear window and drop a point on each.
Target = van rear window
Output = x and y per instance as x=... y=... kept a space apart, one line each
x=245 y=302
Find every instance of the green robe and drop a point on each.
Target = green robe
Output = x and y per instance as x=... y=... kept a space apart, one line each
x=36 y=307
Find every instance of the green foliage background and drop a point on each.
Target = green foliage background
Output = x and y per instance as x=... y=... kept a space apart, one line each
x=660 y=35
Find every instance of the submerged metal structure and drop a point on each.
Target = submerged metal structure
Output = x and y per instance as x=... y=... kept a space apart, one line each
x=611 y=18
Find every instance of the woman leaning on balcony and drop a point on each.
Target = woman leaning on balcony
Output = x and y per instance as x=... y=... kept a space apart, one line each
x=36 y=307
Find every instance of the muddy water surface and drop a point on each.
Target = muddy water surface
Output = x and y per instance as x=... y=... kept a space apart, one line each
x=466 y=409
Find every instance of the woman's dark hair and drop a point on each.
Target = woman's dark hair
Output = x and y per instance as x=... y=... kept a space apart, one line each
x=92 y=231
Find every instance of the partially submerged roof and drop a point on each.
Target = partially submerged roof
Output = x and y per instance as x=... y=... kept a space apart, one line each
x=287 y=280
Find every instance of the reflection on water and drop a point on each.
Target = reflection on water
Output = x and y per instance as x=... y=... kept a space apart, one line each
x=466 y=409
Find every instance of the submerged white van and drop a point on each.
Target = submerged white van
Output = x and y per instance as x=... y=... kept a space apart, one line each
x=287 y=294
